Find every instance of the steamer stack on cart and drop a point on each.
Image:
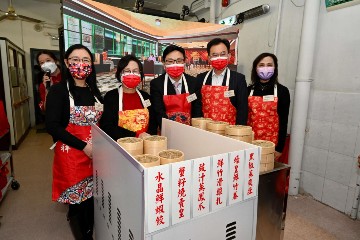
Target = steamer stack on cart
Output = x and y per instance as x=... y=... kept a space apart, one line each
x=216 y=127
x=267 y=154
x=239 y=132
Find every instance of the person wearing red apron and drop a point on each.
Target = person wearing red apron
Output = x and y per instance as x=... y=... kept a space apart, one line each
x=223 y=92
x=269 y=103
x=127 y=110
x=72 y=106
x=51 y=74
x=175 y=95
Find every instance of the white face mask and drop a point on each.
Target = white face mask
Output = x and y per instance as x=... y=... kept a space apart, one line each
x=49 y=66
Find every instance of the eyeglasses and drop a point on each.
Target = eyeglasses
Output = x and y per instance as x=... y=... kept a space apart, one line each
x=128 y=71
x=222 y=54
x=172 y=61
x=78 y=60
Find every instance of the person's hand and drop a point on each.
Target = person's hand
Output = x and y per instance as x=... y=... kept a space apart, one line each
x=88 y=150
x=45 y=79
x=144 y=135
x=277 y=155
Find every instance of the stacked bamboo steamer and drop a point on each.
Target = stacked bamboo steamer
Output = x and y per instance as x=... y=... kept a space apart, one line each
x=133 y=145
x=200 y=122
x=217 y=127
x=239 y=132
x=155 y=144
x=267 y=154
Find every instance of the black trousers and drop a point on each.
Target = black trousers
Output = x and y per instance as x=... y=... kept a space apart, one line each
x=81 y=218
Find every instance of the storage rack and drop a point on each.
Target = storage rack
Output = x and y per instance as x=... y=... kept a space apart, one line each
x=6 y=161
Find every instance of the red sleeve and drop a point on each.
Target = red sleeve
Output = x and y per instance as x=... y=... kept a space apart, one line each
x=42 y=97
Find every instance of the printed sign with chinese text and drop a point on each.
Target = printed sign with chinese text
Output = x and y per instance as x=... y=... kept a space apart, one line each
x=236 y=176
x=201 y=186
x=251 y=172
x=219 y=181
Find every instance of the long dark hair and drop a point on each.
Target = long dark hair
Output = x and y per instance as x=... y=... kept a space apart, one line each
x=123 y=62
x=90 y=80
x=255 y=78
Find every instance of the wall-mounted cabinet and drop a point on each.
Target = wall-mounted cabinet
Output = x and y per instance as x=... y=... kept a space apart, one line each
x=14 y=89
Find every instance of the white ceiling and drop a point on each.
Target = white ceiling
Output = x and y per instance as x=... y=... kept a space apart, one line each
x=129 y=4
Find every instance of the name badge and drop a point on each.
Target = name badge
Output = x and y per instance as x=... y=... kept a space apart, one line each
x=99 y=107
x=268 y=98
x=147 y=103
x=229 y=93
x=191 y=98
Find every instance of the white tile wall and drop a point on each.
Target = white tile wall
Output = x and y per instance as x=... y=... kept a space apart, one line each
x=322 y=106
x=335 y=194
x=312 y=184
x=314 y=160
x=347 y=108
x=357 y=145
x=338 y=168
x=355 y=173
x=343 y=138
x=349 y=200
x=318 y=134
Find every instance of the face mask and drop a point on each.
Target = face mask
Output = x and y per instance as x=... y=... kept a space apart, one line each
x=265 y=73
x=80 y=70
x=175 y=70
x=219 y=63
x=49 y=67
x=131 y=80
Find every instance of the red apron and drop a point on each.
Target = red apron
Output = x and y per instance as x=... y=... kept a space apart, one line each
x=136 y=120
x=263 y=116
x=216 y=105
x=72 y=165
x=178 y=107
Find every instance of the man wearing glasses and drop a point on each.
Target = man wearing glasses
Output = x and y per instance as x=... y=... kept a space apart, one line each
x=224 y=92
x=173 y=94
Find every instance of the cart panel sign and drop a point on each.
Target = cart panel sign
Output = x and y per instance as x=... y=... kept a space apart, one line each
x=158 y=200
x=251 y=172
x=236 y=176
x=201 y=186
x=219 y=179
x=181 y=186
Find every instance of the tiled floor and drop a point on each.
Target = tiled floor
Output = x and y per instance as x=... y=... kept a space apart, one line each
x=28 y=213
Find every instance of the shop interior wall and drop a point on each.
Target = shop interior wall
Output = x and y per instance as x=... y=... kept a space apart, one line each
x=330 y=171
x=23 y=34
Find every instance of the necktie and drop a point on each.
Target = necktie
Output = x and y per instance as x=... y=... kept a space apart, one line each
x=176 y=86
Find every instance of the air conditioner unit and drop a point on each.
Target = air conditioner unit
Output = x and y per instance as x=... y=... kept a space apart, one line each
x=200 y=5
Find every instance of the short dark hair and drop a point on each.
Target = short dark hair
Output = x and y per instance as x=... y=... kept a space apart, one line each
x=47 y=52
x=124 y=61
x=254 y=76
x=217 y=41
x=172 y=48
x=90 y=80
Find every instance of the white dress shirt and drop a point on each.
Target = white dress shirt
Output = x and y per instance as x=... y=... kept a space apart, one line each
x=217 y=80
x=180 y=83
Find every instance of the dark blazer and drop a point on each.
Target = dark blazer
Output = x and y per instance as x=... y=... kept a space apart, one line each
x=110 y=117
x=157 y=93
x=240 y=100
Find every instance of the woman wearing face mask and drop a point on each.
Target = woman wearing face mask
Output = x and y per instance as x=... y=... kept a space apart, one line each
x=72 y=106
x=127 y=110
x=175 y=95
x=269 y=102
x=52 y=75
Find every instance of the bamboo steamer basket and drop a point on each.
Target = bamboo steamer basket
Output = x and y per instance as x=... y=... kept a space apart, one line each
x=239 y=132
x=171 y=156
x=155 y=144
x=266 y=166
x=267 y=147
x=134 y=146
x=217 y=132
x=216 y=126
x=148 y=160
x=267 y=158
x=200 y=122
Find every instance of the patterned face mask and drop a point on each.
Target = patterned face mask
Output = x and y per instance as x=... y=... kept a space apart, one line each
x=80 y=70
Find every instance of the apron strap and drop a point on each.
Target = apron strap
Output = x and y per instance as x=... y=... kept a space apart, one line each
x=121 y=95
x=71 y=98
x=227 y=77
x=275 y=91
x=166 y=84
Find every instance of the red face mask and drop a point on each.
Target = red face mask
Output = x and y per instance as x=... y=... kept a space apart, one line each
x=131 y=80
x=219 y=63
x=175 y=70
